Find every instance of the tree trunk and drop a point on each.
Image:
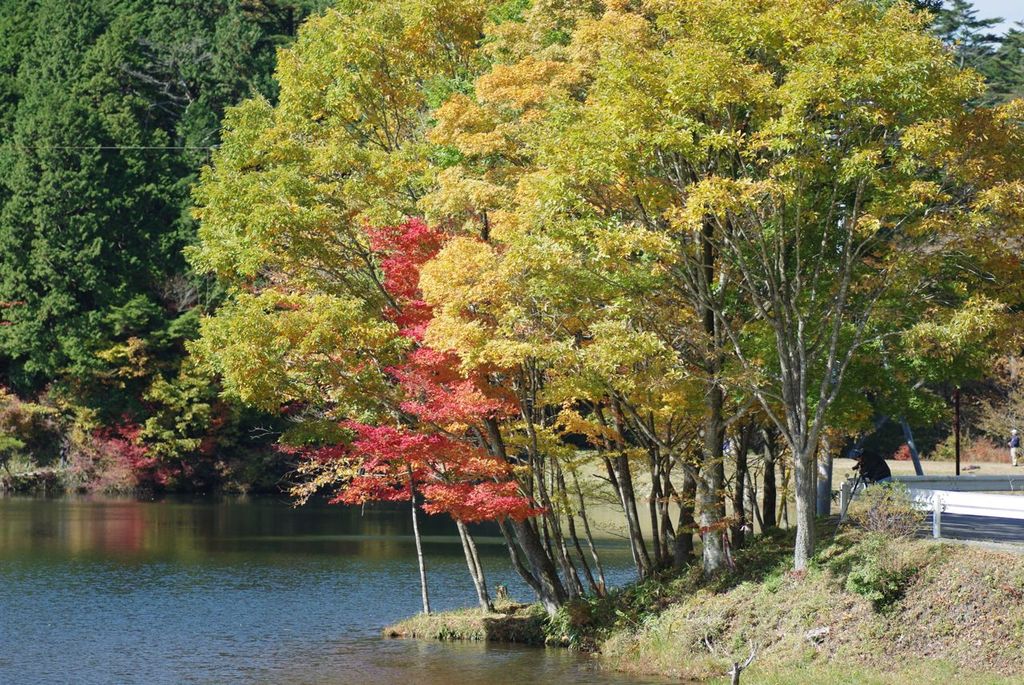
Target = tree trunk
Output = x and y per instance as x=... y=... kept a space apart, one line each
x=538 y=570
x=653 y=503
x=712 y=495
x=476 y=571
x=804 y=471
x=602 y=585
x=618 y=471
x=550 y=590
x=623 y=478
x=752 y=500
x=668 y=531
x=739 y=499
x=419 y=548
x=686 y=525
x=824 y=482
x=517 y=560
x=554 y=541
x=570 y=520
x=768 y=498
x=784 y=474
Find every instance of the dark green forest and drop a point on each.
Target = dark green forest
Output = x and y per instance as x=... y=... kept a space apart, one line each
x=108 y=111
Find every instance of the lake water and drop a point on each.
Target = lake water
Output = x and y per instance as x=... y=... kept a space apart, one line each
x=107 y=591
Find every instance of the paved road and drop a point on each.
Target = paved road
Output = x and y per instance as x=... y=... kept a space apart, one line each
x=960 y=527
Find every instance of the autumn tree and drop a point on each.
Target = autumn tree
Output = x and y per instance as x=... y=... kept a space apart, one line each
x=782 y=169
x=315 y=320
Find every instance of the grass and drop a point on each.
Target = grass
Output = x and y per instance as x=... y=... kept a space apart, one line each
x=956 y=613
x=949 y=613
x=515 y=623
x=884 y=672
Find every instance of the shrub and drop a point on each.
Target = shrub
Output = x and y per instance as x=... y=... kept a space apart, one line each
x=114 y=460
x=902 y=454
x=971 y=450
x=882 y=573
x=984 y=450
x=886 y=509
x=27 y=430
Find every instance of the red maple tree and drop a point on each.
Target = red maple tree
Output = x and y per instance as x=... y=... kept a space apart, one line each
x=432 y=454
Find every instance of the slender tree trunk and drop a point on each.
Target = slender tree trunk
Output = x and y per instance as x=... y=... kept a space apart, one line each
x=476 y=571
x=534 y=565
x=668 y=531
x=824 y=481
x=553 y=538
x=711 y=488
x=636 y=537
x=550 y=590
x=419 y=547
x=517 y=561
x=570 y=520
x=572 y=577
x=768 y=498
x=712 y=493
x=784 y=473
x=602 y=586
x=652 y=507
x=752 y=500
x=687 y=522
x=627 y=496
x=739 y=500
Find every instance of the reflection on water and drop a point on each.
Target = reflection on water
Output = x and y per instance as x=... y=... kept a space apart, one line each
x=234 y=591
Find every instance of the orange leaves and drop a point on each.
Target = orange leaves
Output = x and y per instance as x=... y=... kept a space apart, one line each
x=524 y=84
x=597 y=434
x=463 y=123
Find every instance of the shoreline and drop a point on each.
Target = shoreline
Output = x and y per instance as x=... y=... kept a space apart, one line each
x=510 y=623
x=867 y=611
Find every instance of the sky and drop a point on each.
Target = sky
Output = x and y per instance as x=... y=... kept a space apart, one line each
x=1010 y=10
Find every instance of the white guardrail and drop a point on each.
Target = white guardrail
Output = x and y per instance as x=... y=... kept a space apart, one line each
x=967 y=504
x=962 y=495
x=1003 y=483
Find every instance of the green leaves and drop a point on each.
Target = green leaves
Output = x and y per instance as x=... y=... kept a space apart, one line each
x=272 y=349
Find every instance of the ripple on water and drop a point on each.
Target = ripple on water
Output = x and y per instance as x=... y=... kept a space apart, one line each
x=95 y=592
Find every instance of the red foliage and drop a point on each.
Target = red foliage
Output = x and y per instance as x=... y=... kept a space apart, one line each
x=454 y=476
x=984 y=450
x=903 y=453
x=119 y=446
x=438 y=393
x=404 y=249
x=487 y=501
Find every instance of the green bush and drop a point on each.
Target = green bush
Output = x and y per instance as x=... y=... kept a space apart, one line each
x=882 y=572
x=888 y=510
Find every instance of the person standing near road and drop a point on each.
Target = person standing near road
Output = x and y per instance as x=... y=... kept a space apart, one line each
x=1014 y=445
x=871 y=466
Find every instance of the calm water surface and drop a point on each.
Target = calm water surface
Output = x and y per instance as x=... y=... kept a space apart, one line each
x=101 y=591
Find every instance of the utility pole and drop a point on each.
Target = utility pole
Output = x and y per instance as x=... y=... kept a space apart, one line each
x=956 y=426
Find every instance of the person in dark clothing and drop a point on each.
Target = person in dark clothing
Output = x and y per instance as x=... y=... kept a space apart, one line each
x=871 y=467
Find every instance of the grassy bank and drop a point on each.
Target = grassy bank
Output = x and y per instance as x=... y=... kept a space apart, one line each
x=870 y=609
x=514 y=623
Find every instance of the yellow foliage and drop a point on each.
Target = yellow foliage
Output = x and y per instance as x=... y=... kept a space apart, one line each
x=524 y=84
